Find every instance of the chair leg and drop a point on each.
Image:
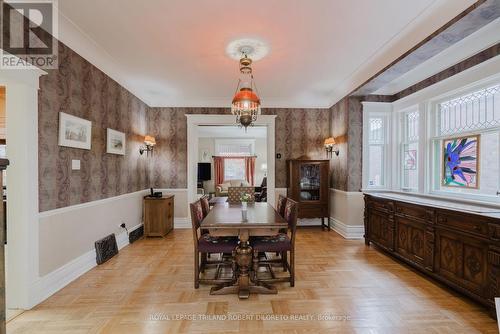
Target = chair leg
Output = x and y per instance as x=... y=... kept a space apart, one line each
x=284 y=260
x=203 y=262
x=255 y=265
x=292 y=268
x=196 y=270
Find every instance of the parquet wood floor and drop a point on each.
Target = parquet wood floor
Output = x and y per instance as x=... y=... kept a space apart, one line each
x=358 y=289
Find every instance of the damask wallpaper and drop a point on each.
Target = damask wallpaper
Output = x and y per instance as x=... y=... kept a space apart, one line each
x=298 y=132
x=347 y=129
x=78 y=88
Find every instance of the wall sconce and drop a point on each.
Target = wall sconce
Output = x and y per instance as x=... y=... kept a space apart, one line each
x=330 y=147
x=149 y=142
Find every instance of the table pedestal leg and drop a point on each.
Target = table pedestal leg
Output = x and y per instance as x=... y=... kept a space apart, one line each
x=244 y=261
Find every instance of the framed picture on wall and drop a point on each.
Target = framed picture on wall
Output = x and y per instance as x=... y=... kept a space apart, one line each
x=461 y=162
x=74 y=131
x=115 y=143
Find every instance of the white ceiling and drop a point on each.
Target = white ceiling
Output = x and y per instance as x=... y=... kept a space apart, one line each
x=232 y=132
x=172 y=53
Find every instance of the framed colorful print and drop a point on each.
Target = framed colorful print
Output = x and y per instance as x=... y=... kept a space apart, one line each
x=115 y=143
x=410 y=162
x=74 y=131
x=460 y=158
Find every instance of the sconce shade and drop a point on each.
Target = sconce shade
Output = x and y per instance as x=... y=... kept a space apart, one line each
x=149 y=141
x=329 y=141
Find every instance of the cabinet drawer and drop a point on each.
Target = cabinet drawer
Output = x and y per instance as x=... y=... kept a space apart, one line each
x=414 y=211
x=494 y=232
x=381 y=205
x=464 y=223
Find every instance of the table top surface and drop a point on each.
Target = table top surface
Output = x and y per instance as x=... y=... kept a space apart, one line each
x=217 y=200
x=259 y=215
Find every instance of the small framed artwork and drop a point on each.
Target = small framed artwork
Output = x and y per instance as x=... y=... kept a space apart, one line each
x=115 y=143
x=460 y=158
x=74 y=131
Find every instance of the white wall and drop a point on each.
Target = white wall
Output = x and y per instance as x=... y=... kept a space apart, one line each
x=261 y=153
x=207 y=145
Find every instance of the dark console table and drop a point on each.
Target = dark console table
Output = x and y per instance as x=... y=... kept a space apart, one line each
x=456 y=244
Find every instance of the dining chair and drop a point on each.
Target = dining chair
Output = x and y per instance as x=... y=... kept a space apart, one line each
x=205 y=206
x=280 y=206
x=282 y=243
x=205 y=244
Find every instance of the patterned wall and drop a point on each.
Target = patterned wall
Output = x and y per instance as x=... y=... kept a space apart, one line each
x=78 y=88
x=347 y=129
x=298 y=132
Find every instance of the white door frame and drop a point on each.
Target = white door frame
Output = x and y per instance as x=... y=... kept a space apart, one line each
x=21 y=88
x=193 y=121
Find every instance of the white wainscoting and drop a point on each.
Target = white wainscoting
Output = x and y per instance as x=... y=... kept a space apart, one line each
x=67 y=235
x=347 y=213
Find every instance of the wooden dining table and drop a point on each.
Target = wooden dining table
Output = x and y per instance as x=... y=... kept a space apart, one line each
x=227 y=220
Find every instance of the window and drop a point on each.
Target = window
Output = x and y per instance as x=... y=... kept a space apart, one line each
x=409 y=150
x=377 y=137
x=234 y=169
x=466 y=145
x=235 y=147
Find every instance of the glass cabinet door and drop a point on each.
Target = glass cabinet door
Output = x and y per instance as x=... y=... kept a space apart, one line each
x=310 y=178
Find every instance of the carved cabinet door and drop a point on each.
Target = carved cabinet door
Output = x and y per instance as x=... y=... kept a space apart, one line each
x=411 y=240
x=462 y=260
x=381 y=229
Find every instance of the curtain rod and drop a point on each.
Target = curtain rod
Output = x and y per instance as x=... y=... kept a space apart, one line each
x=234 y=156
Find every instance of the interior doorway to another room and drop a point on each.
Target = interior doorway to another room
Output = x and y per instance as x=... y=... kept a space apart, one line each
x=230 y=156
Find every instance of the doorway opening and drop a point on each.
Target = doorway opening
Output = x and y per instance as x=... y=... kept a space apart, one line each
x=197 y=127
x=231 y=157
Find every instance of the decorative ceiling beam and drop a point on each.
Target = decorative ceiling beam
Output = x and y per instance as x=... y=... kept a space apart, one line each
x=469 y=21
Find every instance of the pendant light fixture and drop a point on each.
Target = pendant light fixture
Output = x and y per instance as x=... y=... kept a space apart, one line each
x=246 y=103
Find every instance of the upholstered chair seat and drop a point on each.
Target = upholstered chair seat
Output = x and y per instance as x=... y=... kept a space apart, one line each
x=278 y=243
x=211 y=244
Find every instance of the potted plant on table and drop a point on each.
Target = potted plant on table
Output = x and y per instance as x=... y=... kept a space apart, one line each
x=245 y=198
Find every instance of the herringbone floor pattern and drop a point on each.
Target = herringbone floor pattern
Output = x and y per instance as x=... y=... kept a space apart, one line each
x=342 y=286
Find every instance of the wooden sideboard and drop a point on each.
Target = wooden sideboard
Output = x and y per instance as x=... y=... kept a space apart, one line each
x=458 y=245
x=158 y=215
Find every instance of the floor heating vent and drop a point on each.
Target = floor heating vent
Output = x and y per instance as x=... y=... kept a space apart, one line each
x=106 y=248
x=136 y=234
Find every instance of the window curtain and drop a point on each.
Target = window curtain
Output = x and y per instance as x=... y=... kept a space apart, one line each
x=250 y=169
x=219 y=170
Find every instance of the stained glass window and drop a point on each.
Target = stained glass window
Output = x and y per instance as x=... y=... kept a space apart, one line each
x=478 y=110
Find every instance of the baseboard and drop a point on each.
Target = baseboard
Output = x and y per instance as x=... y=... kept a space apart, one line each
x=347 y=231
x=182 y=222
x=309 y=222
x=49 y=284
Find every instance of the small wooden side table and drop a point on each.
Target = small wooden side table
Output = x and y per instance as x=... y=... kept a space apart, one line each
x=158 y=215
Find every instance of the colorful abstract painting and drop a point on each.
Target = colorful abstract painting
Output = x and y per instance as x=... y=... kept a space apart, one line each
x=460 y=162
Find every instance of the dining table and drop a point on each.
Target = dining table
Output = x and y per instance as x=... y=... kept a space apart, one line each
x=259 y=219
